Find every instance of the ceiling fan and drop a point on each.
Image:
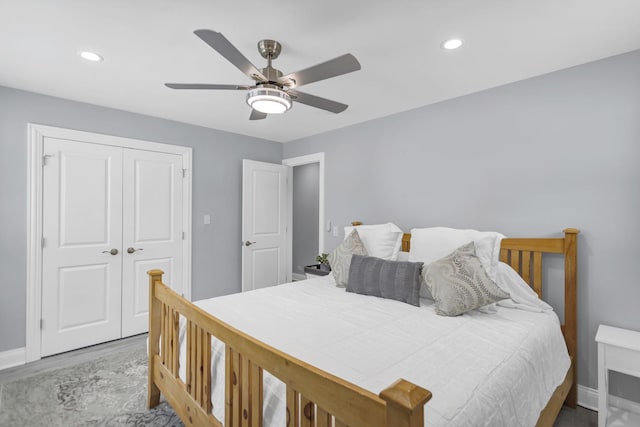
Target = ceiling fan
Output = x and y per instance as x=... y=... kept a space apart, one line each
x=273 y=92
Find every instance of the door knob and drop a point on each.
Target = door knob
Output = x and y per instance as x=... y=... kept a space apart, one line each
x=248 y=243
x=132 y=250
x=113 y=251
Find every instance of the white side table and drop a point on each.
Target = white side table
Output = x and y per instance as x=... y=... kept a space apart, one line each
x=618 y=350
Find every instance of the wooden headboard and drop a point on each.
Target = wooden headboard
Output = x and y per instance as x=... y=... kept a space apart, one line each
x=524 y=255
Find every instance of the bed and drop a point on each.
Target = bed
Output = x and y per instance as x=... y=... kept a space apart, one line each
x=318 y=393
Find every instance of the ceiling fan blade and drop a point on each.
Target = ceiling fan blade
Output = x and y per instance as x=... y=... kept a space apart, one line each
x=257 y=115
x=224 y=47
x=205 y=86
x=318 y=102
x=335 y=67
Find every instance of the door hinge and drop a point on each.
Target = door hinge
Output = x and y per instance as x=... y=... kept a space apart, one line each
x=183 y=235
x=43 y=242
x=184 y=173
x=41 y=324
x=45 y=159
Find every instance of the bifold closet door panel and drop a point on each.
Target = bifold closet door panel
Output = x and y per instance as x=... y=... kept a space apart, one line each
x=152 y=230
x=82 y=231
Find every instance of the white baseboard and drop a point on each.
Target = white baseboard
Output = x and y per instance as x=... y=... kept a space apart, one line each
x=298 y=276
x=11 y=358
x=588 y=398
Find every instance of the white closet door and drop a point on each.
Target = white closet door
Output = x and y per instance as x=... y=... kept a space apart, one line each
x=82 y=224
x=152 y=231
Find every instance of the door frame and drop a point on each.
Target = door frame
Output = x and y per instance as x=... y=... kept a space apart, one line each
x=299 y=161
x=36 y=134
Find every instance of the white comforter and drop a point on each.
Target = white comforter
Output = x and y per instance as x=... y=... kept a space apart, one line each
x=496 y=369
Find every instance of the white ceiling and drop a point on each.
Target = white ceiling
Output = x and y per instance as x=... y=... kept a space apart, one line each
x=146 y=43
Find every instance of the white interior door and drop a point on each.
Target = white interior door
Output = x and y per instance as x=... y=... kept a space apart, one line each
x=152 y=230
x=82 y=240
x=264 y=224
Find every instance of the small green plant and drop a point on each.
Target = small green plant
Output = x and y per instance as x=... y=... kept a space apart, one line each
x=323 y=258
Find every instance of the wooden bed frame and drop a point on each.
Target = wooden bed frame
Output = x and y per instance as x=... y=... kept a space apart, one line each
x=314 y=397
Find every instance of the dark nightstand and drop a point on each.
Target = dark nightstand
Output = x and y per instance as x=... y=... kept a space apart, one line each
x=316 y=270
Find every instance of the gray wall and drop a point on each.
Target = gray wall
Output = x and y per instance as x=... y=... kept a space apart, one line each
x=217 y=189
x=306 y=192
x=527 y=159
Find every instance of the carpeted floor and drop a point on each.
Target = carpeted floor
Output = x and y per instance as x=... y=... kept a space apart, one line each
x=107 y=391
x=106 y=385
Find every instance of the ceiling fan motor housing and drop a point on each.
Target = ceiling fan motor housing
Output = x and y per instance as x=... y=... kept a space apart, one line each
x=272 y=75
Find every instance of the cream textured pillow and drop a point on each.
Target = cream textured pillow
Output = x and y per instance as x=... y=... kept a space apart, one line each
x=340 y=258
x=459 y=283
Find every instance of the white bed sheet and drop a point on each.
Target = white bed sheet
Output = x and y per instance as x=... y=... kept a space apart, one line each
x=483 y=369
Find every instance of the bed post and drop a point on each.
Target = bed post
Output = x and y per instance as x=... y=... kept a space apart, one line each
x=570 y=306
x=405 y=404
x=153 y=393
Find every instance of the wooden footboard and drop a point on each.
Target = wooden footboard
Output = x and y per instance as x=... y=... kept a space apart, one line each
x=314 y=397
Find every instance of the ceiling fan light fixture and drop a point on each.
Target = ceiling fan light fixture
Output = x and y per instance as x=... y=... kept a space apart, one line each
x=269 y=100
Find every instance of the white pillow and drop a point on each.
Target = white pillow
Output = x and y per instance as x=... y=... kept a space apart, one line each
x=522 y=296
x=431 y=244
x=403 y=256
x=380 y=240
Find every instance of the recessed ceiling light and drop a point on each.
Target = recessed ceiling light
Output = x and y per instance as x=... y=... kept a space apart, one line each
x=90 y=56
x=451 y=44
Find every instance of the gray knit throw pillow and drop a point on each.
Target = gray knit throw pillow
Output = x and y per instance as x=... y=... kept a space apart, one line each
x=398 y=280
